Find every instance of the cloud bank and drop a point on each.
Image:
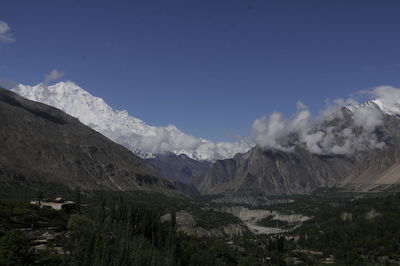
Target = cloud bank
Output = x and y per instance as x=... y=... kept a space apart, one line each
x=343 y=127
x=5 y=33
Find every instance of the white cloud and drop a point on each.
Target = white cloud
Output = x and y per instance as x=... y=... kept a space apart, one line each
x=5 y=32
x=368 y=118
x=329 y=132
x=171 y=139
x=53 y=75
x=268 y=132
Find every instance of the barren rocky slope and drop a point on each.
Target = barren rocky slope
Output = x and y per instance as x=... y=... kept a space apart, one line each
x=276 y=172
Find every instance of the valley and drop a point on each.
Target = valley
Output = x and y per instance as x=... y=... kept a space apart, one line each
x=199 y=133
x=263 y=206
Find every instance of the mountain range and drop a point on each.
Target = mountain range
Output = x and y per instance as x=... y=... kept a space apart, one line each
x=356 y=147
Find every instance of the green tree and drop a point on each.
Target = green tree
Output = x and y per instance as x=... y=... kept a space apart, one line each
x=82 y=237
x=78 y=199
x=202 y=258
x=39 y=196
x=223 y=252
x=14 y=249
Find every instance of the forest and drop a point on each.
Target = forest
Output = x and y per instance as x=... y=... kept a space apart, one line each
x=116 y=232
x=360 y=232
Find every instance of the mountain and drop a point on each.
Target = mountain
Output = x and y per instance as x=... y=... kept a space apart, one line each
x=187 y=189
x=178 y=167
x=119 y=126
x=43 y=145
x=374 y=164
x=276 y=172
x=380 y=168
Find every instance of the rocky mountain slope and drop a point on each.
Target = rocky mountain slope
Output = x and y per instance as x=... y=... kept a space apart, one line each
x=41 y=144
x=380 y=170
x=187 y=189
x=299 y=170
x=276 y=172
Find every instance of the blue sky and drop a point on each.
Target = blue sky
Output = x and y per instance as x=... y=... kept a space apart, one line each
x=209 y=67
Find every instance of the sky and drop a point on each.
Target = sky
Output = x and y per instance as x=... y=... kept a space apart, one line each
x=209 y=67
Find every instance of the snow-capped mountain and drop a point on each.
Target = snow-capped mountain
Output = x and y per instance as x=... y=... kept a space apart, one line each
x=119 y=126
x=387 y=98
x=377 y=104
x=388 y=109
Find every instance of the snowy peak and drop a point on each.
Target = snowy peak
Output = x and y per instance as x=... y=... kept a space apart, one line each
x=119 y=126
x=388 y=99
x=369 y=104
x=90 y=110
x=393 y=109
x=378 y=104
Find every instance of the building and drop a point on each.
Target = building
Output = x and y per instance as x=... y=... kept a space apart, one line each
x=56 y=204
